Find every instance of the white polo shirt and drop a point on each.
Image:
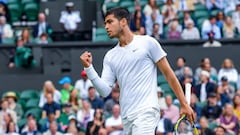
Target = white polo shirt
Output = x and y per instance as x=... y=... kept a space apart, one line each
x=70 y=20
x=134 y=67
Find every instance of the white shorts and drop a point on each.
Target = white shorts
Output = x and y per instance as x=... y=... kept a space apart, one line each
x=142 y=123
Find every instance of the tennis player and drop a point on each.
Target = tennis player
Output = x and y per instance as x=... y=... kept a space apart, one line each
x=133 y=63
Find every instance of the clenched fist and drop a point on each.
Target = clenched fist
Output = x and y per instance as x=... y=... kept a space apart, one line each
x=86 y=59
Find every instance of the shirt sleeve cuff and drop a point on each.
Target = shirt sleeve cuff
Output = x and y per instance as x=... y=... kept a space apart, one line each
x=91 y=73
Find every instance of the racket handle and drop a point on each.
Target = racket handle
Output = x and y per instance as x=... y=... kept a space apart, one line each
x=188 y=92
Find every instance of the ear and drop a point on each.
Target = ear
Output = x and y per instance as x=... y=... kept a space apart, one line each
x=123 y=22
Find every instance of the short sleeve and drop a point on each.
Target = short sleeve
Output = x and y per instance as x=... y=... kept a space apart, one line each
x=108 y=75
x=57 y=106
x=62 y=20
x=155 y=50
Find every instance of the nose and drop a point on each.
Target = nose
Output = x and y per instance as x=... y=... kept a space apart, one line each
x=106 y=26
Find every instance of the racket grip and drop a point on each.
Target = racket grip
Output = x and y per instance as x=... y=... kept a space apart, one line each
x=188 y=92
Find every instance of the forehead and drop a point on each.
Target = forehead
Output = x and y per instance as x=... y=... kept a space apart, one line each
x=110 y=17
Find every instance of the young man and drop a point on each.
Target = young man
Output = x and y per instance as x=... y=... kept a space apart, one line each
x=133 y=63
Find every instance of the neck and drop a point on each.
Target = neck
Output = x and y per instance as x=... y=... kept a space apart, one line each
x=126 y=37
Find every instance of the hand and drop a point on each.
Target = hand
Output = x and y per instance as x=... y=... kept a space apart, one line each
x=188 y=111
x=86 y=59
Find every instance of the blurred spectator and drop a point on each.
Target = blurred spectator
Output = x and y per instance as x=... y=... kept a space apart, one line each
x=13 y=105
x=22 y=56
x=151 y=20
x=53 y=129
x=222 y=97
x=51 y=107
x=67 y=89
x=190 y=32
x=214 y=4
x=11 y=129
x=172 y=111
x=96 y=102
x=45 y=125
x=204 y=129
x=165 y=126
x=5 y=28
x=229 y=71
x=26 y=37
x=173 y=33
x=43 y=39
x=102 y=131
x=169 y=15
x=210 y=26
x=49 y=87
x=184 y=5
x=181 y=63
x=98 y=123
x=236 y=17
x=42 y=27
x=229 y=30
x=161 y=98
x=76 y=103
x=187 y=78
x=32 y=128
x=137 y=21
x=236 y=105
x=230 y=5
x=155 y=32
x=66 y=112
x=186 y=18
x=70 y=20
x=205 y=87
x=228 y=120
x=220 y=17
x=150 y=8
x=196 y=107
x=219 y=130
x=108 y=105
x=205 y=64
x=6 y=111
x=72 y=128
x=226 y=88
x=31 y=124
x=114 y=124
x=4 y=11
x=7 y=119
x=211 y=41
x=212 y=111
x=169 y=6
x=85 y=114
x=83 y=84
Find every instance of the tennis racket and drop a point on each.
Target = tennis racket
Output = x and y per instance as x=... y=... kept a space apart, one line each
x=183 y=125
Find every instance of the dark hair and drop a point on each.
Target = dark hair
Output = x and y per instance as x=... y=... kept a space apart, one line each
x=119 y=13
x=98 y=111
x=212 y=17
x=8 y=127
x=221 y=128
x=181 y=57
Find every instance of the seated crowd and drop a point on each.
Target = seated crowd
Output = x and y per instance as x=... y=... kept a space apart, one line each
x=79 y=109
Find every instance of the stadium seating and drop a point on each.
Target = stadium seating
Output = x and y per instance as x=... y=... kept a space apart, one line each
x=161 y=80
x=31 y=10
x=32 y=103
x=15 y=11
x=13 y=2
x=28 y=94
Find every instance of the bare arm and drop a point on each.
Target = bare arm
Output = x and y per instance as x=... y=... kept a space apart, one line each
x=44 y=114
x=168 y=73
